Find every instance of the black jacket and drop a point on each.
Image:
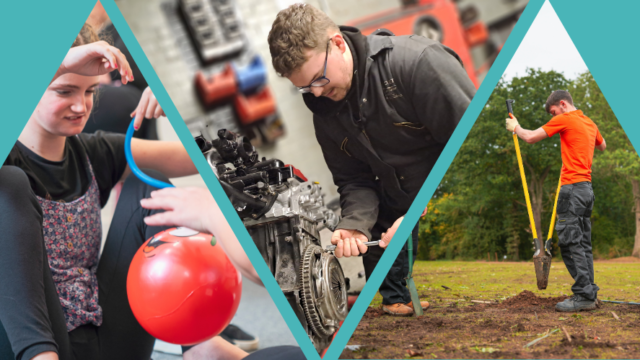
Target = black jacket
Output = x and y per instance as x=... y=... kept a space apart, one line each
x=410 y=93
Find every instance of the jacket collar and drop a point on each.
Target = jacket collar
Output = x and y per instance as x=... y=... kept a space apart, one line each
x=379 y=40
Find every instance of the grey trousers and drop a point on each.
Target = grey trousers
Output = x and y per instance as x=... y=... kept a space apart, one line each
x=575 y=203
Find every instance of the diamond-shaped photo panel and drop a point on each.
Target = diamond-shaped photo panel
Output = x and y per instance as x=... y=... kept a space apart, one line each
x=530 y=245
x=309 y=173
x=114 y=247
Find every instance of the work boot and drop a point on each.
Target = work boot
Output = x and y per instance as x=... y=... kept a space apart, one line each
x=566 y=300
x=425 y=304
x=240 y=338
x=576 y=303
x=398 y=309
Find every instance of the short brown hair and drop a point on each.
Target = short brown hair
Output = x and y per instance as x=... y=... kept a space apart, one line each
x=86 y=36
x=555 y=98
x=296 y=29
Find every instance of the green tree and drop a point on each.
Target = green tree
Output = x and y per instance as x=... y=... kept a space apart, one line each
x=619 y=162
x=479 y=207
x=487 y=197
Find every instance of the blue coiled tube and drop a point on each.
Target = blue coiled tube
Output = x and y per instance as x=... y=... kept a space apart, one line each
x=132 y=164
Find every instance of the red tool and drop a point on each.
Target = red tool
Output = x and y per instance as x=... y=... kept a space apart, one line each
x=218 y=87
x=255 y=107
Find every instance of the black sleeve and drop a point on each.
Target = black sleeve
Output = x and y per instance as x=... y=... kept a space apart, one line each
x=15 y=158
x=27 y=318
x=106 y=153
x=441 y=104
x=356 y=184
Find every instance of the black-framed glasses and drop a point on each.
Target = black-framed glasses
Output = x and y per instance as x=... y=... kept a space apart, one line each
x=321 y=81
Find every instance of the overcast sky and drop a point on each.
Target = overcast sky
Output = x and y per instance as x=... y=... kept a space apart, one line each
x=547 y=46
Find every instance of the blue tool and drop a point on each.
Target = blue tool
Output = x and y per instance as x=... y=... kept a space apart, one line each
x=132 y=164
x=251 y=77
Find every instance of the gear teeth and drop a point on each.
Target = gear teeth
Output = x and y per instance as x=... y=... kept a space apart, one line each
x=306 y=289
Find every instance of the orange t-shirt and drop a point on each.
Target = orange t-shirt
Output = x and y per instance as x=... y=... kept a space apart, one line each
x=578 y=137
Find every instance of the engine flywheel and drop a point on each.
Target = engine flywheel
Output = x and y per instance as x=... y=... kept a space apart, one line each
x=323 y=290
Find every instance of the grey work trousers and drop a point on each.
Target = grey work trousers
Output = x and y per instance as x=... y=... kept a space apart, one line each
x=575 y=203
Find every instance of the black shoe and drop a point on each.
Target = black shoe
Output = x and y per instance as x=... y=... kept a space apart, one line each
x=576 y=303
x=239 y=338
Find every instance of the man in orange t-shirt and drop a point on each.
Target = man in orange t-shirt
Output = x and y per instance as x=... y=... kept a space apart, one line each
x=579 y=136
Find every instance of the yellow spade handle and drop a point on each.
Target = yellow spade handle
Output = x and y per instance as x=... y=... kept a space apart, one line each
x=555 y=206
x=524 y=186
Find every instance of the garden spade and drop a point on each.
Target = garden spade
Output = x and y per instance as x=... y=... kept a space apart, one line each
x=415 y=299
x=541 y=259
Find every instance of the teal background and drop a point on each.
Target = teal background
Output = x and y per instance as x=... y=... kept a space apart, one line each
x=37 y=35
x=606 y=36
x=35 y=39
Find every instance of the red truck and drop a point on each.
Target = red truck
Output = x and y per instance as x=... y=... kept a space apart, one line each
x=460 y=25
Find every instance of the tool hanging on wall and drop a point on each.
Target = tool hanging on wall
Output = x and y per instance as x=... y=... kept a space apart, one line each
x=542 y=255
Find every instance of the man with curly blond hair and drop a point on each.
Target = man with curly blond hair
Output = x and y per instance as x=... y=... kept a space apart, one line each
x=384 y=107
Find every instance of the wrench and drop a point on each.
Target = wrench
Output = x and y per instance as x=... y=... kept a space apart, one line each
x=368 y=243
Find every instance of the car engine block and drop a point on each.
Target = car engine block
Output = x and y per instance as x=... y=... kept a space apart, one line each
x=284 y=212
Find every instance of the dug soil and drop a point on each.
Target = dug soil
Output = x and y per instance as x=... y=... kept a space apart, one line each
x=462 y=329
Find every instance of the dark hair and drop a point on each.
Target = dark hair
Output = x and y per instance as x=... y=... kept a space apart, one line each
x=555 y=98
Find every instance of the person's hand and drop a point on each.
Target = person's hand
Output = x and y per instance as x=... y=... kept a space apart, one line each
x=148 y=107
x=196 y=208
x=512 y=123
x=47 y=355
x=349 y=243
x=188 y=207
x=387 y=236
x=426 y=209
x=215 y=348
x=95 y=59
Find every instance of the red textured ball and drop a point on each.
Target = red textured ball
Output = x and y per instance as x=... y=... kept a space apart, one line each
x=182 y=287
